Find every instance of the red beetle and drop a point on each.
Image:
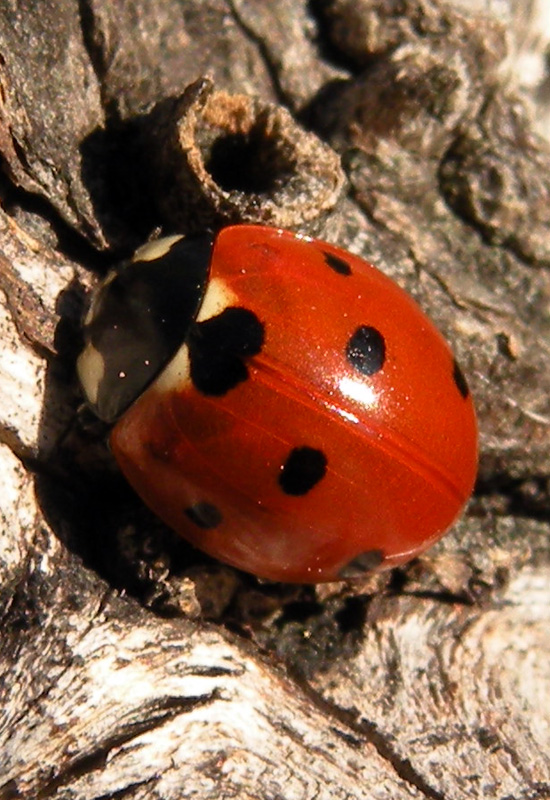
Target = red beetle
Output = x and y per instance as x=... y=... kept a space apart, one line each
x=280 y=402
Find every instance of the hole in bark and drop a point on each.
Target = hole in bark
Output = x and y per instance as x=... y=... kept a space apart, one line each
x=300 y=611
x=247 y=162
x=353 y=615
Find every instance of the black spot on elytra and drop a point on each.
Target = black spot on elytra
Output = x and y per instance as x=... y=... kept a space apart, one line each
x=361 y=564
x=302 y=470
x=219 y=346
x=460 y=380
x=366 y=350
x=337 y=264
x=204 y=515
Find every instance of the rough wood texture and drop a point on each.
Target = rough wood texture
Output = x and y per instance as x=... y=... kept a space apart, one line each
x=132 y=666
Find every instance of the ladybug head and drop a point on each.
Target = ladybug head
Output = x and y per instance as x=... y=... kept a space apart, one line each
x=138 y=319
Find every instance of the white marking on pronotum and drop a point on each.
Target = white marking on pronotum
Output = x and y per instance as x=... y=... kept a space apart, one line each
x=217 y=298
x=176 y=374
x=151 y=251
x=90 y=366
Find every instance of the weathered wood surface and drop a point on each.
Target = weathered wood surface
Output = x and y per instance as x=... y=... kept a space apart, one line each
x=131 y=666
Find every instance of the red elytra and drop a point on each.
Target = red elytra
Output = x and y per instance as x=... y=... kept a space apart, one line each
x=315 y=422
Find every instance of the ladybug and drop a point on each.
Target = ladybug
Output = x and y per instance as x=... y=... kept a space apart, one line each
x=280 y=403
